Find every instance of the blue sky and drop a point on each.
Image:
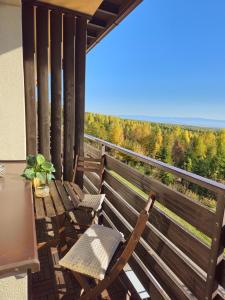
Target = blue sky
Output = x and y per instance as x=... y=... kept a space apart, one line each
x=167 y=58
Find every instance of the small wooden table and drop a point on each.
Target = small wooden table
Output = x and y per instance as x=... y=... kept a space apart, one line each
x=53 y=209
x=55 y=204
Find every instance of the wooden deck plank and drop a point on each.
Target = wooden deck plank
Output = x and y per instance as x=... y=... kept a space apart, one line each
x=49 y=207
x=66 y=202
x=74 y=196
x=77 y=190
x=39 y=208
x=56 y=199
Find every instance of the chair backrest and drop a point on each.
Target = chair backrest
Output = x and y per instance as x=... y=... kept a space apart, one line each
x=134 y=238
x=87 y=164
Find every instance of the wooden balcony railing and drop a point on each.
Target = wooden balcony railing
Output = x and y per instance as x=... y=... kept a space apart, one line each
x=171 y=261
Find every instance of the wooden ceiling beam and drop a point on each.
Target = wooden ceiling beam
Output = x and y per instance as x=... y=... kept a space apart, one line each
x=108 y=8
x=97 y=23
x=106 y=12
x=91 y=35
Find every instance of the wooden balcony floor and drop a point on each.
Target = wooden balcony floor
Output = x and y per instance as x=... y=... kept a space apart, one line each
x=54 y=282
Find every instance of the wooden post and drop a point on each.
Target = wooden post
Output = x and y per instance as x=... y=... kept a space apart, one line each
x=103 y=150
x=217 y=249
x=69 y=94
x=42 y=80
x=81 y=43
x=56 y=91
x=29 y=79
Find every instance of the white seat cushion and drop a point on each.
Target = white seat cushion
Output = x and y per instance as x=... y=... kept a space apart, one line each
x=92 y=201
x=92 y=253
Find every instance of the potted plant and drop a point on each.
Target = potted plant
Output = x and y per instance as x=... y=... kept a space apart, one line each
x=40 y=171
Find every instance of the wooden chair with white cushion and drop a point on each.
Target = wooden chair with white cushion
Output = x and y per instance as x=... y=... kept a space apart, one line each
x=88 y=164
x=101 y=254
x=89 y=204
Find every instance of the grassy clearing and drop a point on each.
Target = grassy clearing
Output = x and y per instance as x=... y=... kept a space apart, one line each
x=201 y=236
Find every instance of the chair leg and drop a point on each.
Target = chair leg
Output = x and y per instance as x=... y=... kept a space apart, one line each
x=94 y=293
x=82 y=281
x=78 y=226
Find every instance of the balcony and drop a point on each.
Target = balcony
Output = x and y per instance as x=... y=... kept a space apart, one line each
x=181 y=253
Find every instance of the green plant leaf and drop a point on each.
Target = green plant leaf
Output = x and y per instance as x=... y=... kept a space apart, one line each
x=40 y=159
x=29 y=173
x=41 y=176
x=31 y=160
x=47 y=166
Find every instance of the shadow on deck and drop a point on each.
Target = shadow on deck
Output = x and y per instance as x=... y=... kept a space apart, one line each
x=54 y=282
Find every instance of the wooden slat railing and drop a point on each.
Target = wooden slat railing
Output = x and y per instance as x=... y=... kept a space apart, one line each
x=170 y=261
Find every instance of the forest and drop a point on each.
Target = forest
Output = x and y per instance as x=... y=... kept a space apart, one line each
x=198 y=150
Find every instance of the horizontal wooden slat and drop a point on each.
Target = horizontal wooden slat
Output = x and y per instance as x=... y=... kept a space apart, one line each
x=94 y=178
x=89 y=159
x=149 y=286
x=190 y=245
x=87 y=169
x=194 y=213
x=91 y=151
x=89 y=186
x=153 y=263
x=222 y=273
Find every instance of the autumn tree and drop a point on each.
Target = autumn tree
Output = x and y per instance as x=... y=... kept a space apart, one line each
x=116 y=135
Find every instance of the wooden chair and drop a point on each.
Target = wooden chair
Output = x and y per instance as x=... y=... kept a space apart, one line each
x=100 y=254
x=87 y=164
x=89 y=204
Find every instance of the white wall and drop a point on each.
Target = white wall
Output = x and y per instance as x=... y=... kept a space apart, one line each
x=12 y=106
x=12 y=112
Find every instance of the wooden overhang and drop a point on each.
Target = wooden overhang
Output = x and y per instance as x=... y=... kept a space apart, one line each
x=108 y=15
x=103 y=15
x=86 y=7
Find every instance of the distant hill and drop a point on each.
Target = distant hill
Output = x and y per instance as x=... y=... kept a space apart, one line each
x=198 y=122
